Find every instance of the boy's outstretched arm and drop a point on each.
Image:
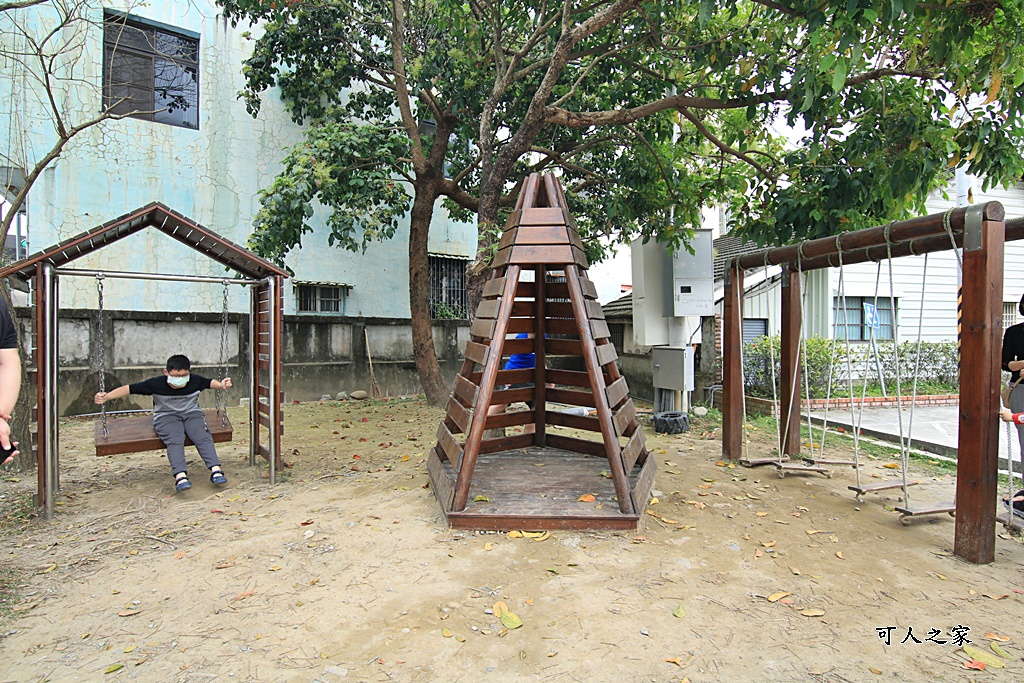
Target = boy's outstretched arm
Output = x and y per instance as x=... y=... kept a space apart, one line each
x=220 y=383
x=102 y=397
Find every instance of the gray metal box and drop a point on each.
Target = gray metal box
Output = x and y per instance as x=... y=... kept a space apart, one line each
x=672 y=367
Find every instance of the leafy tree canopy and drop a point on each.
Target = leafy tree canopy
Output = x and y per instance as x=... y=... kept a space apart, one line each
x=648 y=109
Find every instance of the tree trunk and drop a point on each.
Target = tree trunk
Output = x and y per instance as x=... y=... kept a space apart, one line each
x=423 y=352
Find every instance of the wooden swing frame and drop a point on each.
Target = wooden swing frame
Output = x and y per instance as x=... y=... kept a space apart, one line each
x=980 y=231
x=42 y=271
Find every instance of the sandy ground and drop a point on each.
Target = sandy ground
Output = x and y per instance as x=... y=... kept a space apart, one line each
x=346 y=572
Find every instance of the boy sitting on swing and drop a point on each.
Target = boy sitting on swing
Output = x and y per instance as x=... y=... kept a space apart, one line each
x=176 y=414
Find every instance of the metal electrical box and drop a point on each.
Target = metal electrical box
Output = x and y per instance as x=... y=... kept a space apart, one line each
x=672 y=367
x=693 y=277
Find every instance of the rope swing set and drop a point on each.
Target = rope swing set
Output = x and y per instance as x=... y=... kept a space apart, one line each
x=42 y=272
x=977 y=230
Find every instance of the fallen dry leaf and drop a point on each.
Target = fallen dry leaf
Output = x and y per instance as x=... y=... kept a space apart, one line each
x=587 y=498
x=775 y=597
x=996 y=597
x=488 y=546
x=515 y=534
x=839 y=554
x=813 y=613
x=761 y=514
x=877 y=672
x=179 y=555
x=768 y=544
x=975 y=665
x=994 y=636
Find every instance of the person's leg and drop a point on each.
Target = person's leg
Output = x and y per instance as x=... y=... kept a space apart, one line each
x=196 y=429
x=171 y=431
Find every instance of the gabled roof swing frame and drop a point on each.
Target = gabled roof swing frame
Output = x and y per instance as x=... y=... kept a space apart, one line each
x=265 y=281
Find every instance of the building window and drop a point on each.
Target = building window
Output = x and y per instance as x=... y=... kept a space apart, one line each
x=854 y=322
x=150 y=72
x=320 y=297
x=754 y=328
x=618 y=338
x=448 y=287
x=1009 y=313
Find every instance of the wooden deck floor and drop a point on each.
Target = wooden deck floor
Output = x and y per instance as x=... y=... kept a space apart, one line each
x=539 y=488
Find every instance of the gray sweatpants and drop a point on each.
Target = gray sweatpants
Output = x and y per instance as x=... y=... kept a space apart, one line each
x=172 y=430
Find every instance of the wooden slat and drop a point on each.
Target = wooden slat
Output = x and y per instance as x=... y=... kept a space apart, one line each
x=573 y=378
x=494 y=287
x=264 y=420
x=552 y=215
x=502 y=257
x=559 y=309
x=522 y=309
x=572 y=398
x=561 y=326
x=631 y=453
x=488 y=308
x=579 y=257
x=644 y=484
x=606 y=354
x=594 y=310
x=616 y=391
x=525 y=290
x=600 y=329
x=477 y=352
x=465 y=390
x=624 y=417
x=136 y=434
x=507 y=443
x=517 y=376
x=517 y=325
x=536 y=254
x=513 y=220
x=262 y=391
x=588 y=287
x=512 y=395
x=587 y=423
x=519 y=417
x=459 y=415
x=450 y=446
x=575 y=445
x=508 y=238
x=442 y=485
x=482 y=327
x=546 y=234
x=563 y=347
x=518 y=346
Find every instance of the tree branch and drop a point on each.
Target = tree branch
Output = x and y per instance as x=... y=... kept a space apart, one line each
x=706 y=132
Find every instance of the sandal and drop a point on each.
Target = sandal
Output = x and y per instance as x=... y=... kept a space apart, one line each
x=218 y=478
x=181 y=482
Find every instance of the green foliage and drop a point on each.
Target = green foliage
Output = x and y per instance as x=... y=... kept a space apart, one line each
x=936 y=370
x=367 y=201
x=888 y=97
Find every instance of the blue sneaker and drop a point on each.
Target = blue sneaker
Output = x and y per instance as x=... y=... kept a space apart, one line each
x=182 y=484
x=218 y=478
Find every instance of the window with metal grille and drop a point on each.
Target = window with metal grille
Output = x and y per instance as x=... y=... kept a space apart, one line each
x=1009 y=313
x=447 y=287
x=618 y=331
x=854 y=323
x=150 y=72
x=318 y=298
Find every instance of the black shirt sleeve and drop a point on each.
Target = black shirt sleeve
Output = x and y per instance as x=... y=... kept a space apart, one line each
x=158 y=386
x=147 y=387
x=8 y=331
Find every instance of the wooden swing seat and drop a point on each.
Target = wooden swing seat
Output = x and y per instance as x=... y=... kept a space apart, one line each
x=136 y=434
x=874 y=488
x=797 y=468
x=757 y=462
x=1010 y=520
x=907 y=511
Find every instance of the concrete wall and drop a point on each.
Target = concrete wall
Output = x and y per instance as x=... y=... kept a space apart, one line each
x=212 y=175
x=322 y=354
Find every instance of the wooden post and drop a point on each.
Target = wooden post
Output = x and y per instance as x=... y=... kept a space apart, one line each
x=42 y=399
x=978 y=445
x=540 y=383
x=789 y=350
x=732 y=361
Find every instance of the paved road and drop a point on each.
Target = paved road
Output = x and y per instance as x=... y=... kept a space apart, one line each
x=934 y=429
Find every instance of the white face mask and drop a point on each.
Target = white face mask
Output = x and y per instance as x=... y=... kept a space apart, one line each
x=177 y=382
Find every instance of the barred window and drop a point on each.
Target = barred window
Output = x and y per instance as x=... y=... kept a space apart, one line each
x=447 y=287
x=1009 y=313
x=150 y=72
x=854 y=322
x=320 y=297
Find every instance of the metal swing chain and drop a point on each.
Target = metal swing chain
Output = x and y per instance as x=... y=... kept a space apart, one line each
x=904 y=439
x=103 y=360
x=854 y=422
x=771 y=364
x=223 y=410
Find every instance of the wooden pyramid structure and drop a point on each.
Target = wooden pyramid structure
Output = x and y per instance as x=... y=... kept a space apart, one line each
x=550 y=476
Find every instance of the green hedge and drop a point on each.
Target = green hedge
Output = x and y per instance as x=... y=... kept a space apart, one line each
x=938 y=368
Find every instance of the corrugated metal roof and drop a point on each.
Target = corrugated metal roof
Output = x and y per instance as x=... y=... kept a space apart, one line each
x=164 y=219
x=620 y=308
